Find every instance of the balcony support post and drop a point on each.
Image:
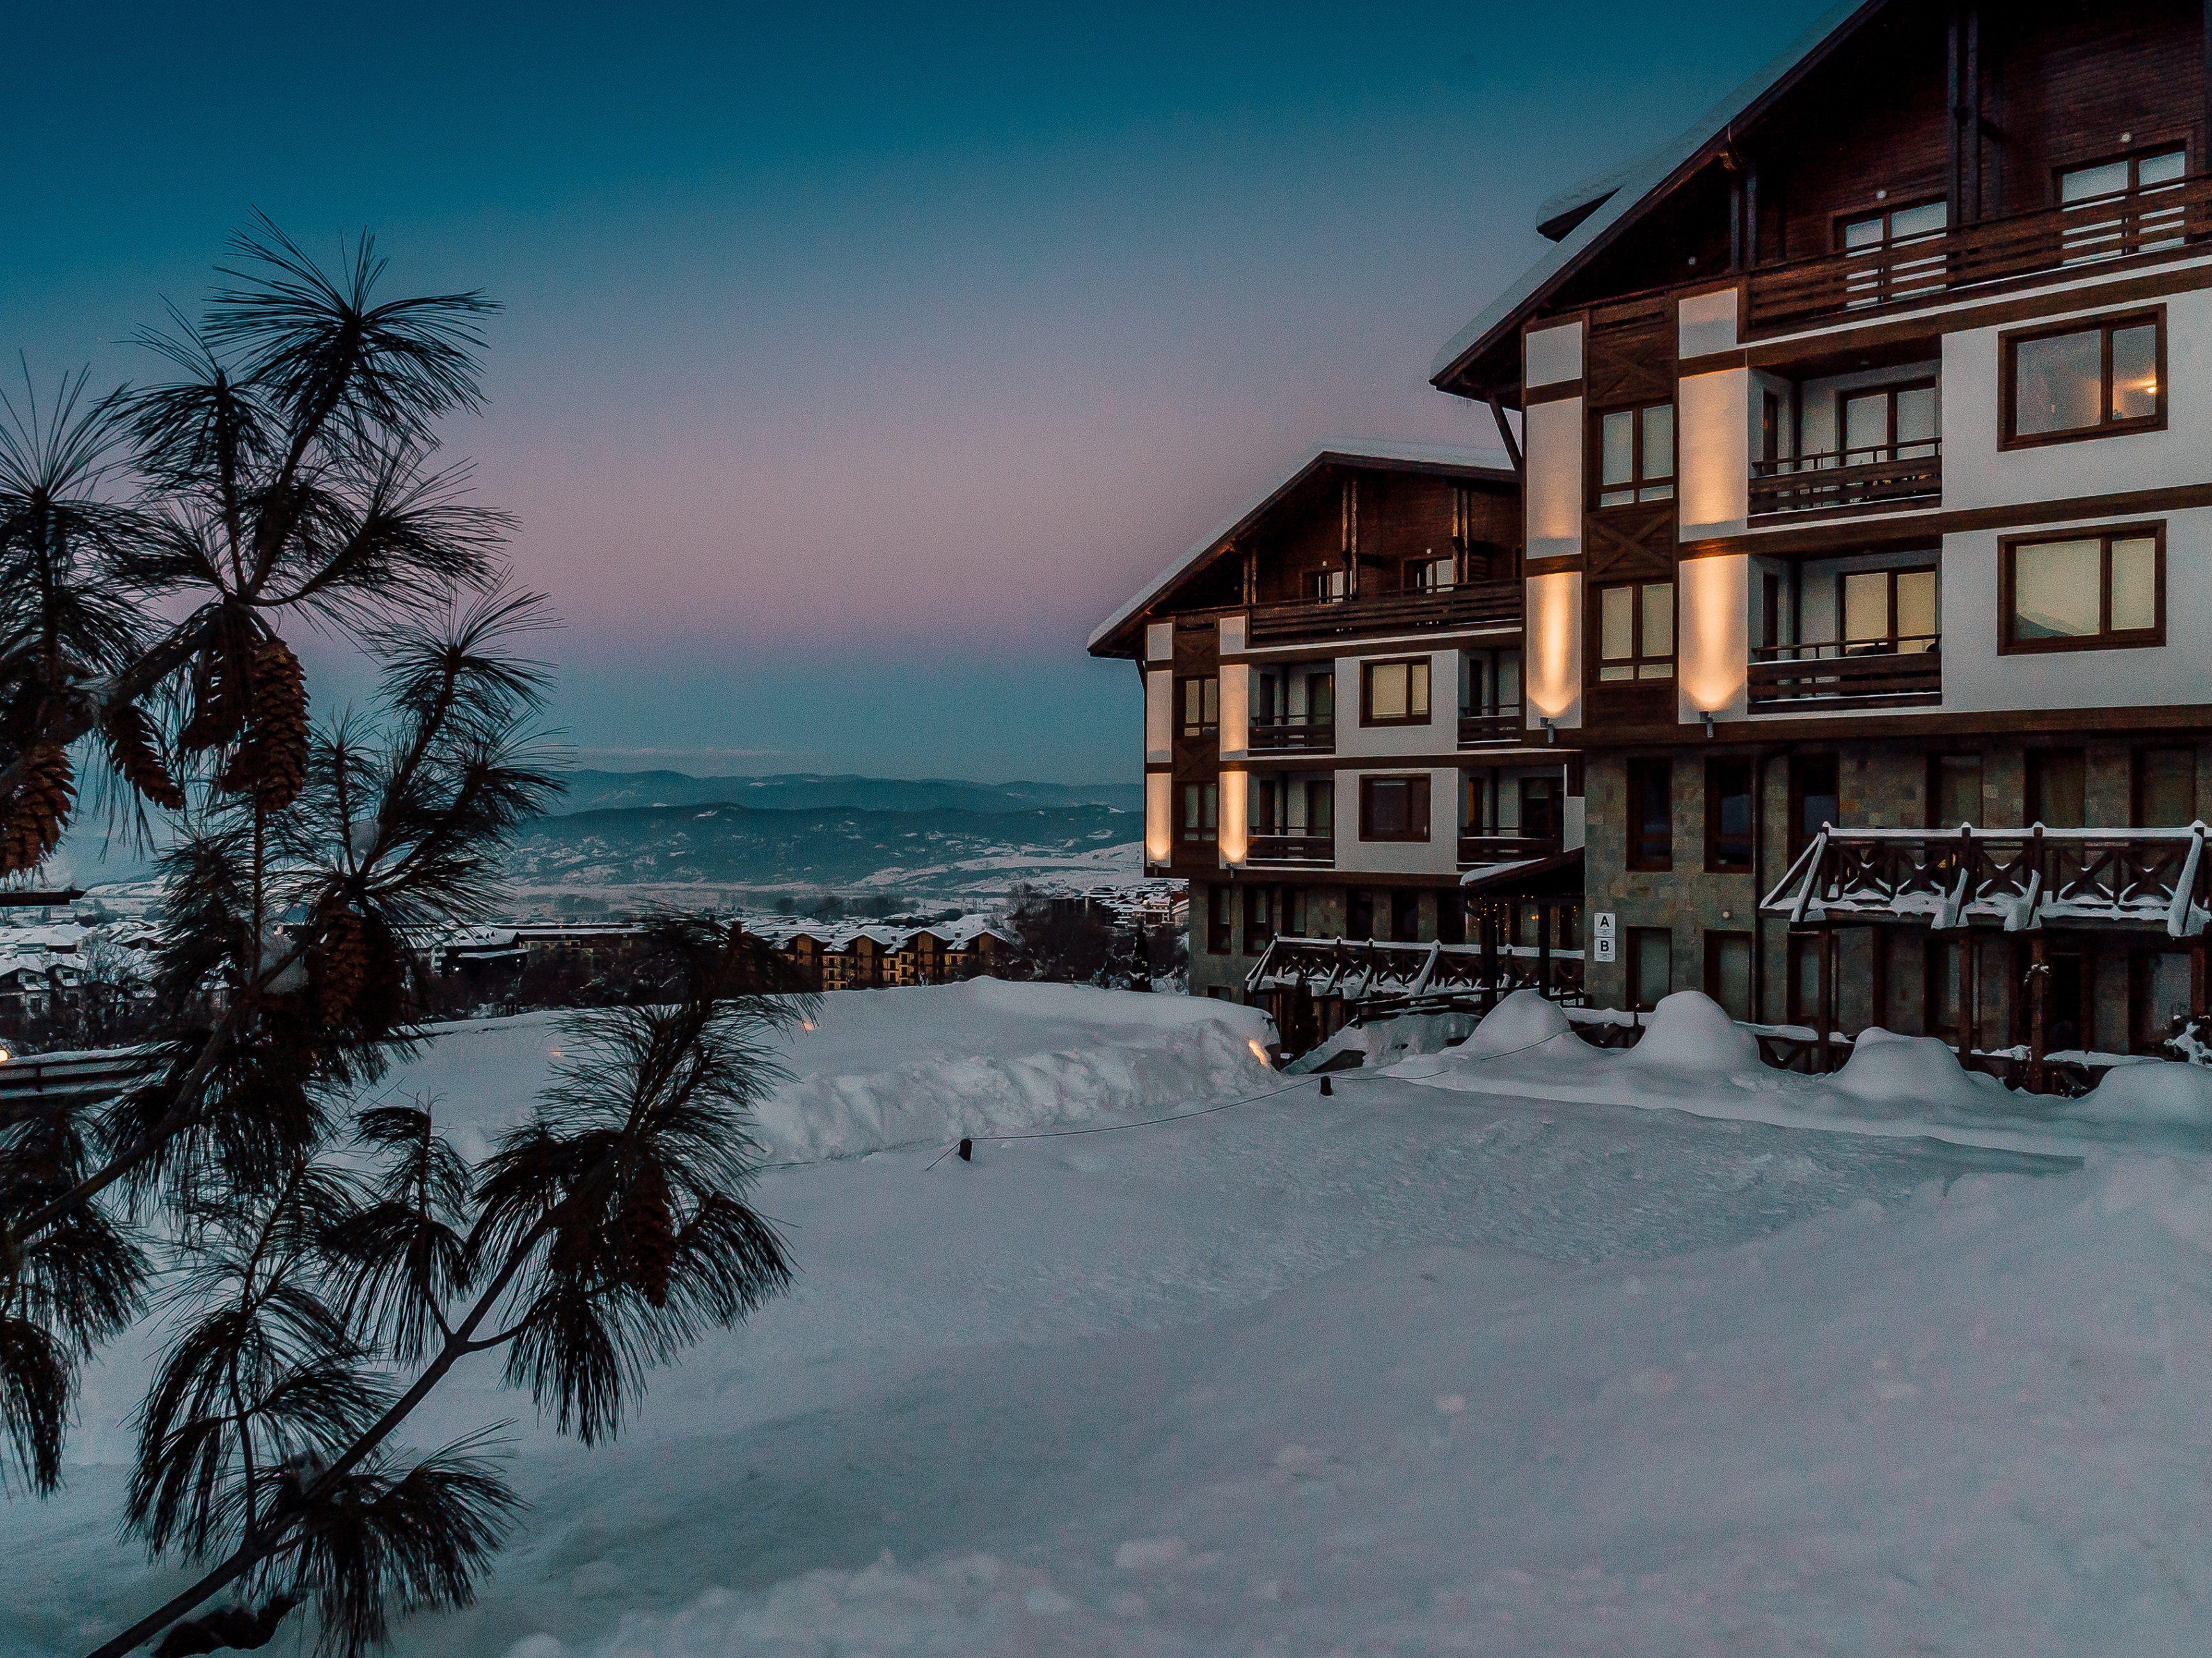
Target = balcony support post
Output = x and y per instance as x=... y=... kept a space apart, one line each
x=2039 y=970
x=1545 y=913
x=1823 y=1052
x=1966 y=1000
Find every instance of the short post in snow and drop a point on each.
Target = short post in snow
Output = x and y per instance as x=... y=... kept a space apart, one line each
x=967 y=1151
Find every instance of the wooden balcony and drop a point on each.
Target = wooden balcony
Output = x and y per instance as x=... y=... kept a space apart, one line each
x=1287 y=735
x=1475 y=605
x=1505 y=726
x=1817 y=678
x=1291 y=851
x=1894 y=474
x=1477 y=850
x=1376 y=976
x=2163 y=220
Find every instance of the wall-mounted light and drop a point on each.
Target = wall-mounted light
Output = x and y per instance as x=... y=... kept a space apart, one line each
x=1707 y=716
x=1550 y=729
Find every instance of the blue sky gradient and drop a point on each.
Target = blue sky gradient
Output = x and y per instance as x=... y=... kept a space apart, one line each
x=857 y=361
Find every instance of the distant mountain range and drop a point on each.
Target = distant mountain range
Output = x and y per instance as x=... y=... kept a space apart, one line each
x=716 y=844
x=593 y=791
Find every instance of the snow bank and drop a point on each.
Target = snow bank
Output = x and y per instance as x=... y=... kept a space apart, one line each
x=1885 y=1069
x=916 y=1066
x=1387 y=1041
x=1691 y=1058
x=1691 y=1031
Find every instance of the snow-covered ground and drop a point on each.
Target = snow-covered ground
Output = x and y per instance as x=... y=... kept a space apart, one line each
x=1410 y=1369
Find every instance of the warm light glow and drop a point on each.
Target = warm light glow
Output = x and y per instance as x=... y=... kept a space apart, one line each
x=1712 y=423
x=1159 y=714
x=1554 y=464
x=1236 y=839
x=5 y=1056
x=1554 y=643
x=1159 y=823
x=1712 y=632
x=1261 y=1053
x=1236 y=708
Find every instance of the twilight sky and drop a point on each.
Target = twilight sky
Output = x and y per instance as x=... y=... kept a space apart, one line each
x=857 y=361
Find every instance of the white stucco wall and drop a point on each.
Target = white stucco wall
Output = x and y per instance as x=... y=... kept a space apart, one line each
x=1553 y=439
x=1438 y=855
x=1440 y=735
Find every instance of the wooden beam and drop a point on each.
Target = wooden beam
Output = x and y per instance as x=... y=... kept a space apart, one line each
x=1505 y=432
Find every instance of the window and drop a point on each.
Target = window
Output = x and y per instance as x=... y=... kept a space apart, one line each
x=1805 y=980
x=1891 y=422
x=1321 y=805
x=2165 y=788
x=1955 y=790
x=1394 y=808
x=2088 y=592
x=1259 y=918
x=1636 y=631
x=1728 y=972
x=1540 y=808
x=1769 y=426
x=1202 y=811
x=2058 y=789
x=1429 y=575
x=1202 y=706
x=1327 y=587
x=1636 y=455
x=1451 y=919
x=1816 y=798
x=2112 y=208
x=2160 y=992
x=2083 y=380
x=1886 y=241
x=1406 y=916
x=1650 y=966
x=1728 y=815
x=1217 y=941
x=1650 y=813
x=1394 y=693
x=1890 y=611
x=1360 y=913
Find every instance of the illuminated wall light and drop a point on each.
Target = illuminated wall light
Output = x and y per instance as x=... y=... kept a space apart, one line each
x=1235 y=835
x=1555 y=467
x=1713 y=429
x=1555 y=665
x=1714 y=634
x=1236 y=708
x=1159 y=819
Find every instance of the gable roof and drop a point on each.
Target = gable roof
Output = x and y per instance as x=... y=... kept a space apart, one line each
x=1446 y=460
x=1625 y=190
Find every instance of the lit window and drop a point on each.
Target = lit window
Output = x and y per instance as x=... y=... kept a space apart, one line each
x=1636 y=631
x=1397 y=693
x=2085 y=381
x=1636 y=455
x=2084 y=592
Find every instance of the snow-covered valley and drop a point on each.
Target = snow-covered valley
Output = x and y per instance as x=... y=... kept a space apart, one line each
x=1408 y=1369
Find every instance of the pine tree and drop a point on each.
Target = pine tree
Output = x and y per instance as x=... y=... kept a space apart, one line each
x=323 y=1266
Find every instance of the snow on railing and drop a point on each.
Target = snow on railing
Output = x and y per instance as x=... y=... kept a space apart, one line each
x=2019 y=880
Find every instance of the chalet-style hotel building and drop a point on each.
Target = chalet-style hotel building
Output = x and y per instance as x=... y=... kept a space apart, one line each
x=1836 y=640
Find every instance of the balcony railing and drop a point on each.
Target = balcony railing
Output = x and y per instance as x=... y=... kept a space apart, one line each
x=1916 y=270
x=1880 y=475
x=1473 y=605
x=1475 y=850
x=1504 y=726
x=1289 y=734
x=1840 y=674
x=1303 y=850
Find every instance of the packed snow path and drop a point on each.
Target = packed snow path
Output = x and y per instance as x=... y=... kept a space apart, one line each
x=1403 y=1370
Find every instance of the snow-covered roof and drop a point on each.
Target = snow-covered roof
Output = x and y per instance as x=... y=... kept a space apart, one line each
x=1341 y=451
x=1631 y=184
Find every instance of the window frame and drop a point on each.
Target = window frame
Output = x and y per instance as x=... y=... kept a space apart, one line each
x=2106 y=638
x=1637 y=663
x=1891 y=444
x=1631 y=941
x=2008 y=343
x=1886 y=212
x=1888 y=643
x=1207 y=831
x=1203 y=728
x=1635 y=773
x=1715 y=864
x=1220 y=919
x=1367 y=714
x=1426 y=814
x=1637 y=481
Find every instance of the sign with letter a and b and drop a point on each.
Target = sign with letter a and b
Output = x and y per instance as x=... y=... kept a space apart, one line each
x=1605 y=935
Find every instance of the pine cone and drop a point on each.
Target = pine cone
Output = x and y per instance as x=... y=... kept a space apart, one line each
x=648 y=1227
x=36 y=815
x=342 y=965
x=130 y=749
x=272 y=764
